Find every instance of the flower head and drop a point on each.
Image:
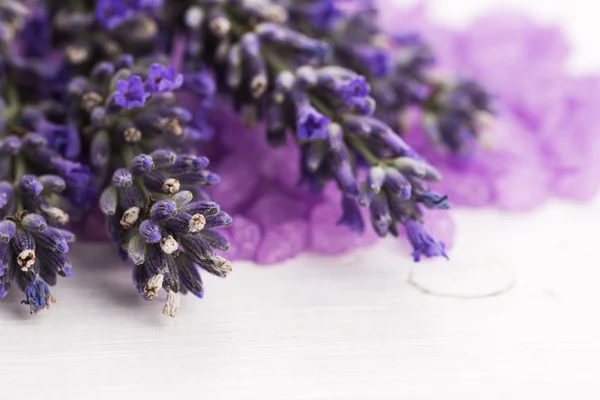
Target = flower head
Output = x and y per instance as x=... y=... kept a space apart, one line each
x=422 y=242
x=163 y=79
x=131 y=93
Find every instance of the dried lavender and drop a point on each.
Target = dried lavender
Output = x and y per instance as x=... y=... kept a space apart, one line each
x=277 y=73
x=399 y=69
x=90 y=111
x=39 y=181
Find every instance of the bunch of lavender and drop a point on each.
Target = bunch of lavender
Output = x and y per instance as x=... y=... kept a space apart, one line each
x=40 y=181
x=89 y=110
x=275 y=72
x=141 y=149
x=399 y=68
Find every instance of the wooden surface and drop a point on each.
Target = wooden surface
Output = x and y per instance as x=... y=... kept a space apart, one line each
x=349 y=328
x=359 y=327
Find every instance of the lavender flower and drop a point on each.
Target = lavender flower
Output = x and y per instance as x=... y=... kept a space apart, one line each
x=273 y=70
x=399 y=70
x=162 y=79
x=166 y=240
x=131 y=93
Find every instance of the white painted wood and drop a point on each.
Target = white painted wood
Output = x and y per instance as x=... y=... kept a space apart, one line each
x=346 y=328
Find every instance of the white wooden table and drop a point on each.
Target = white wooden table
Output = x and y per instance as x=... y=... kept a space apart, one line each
x=513 y=315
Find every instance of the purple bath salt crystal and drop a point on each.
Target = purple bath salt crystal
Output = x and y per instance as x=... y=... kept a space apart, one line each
x=244 y=236
x=326 y=237
x=441 y=226
x=91 y=229
x=276 y=208
x=521 y=189
x=466 y=188
x=283 y=242
x=240 y=184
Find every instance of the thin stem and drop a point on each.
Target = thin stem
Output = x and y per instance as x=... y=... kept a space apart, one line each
x=361 y=148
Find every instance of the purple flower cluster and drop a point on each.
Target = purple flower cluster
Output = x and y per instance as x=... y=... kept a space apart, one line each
x=282 y=76
x=87 y=92
x=544 y=141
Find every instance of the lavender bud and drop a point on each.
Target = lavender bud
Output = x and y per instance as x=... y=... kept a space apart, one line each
x=169 y=245
x=141 y=165
x=100 y=150
x=221 y=220
x=98 y=116
x=5 y=260
x=234 y=67
x=7 y=231
x=102 y=72
x=254 y=64
x=283 y=86
x=130 y=197
x=24 y=246
x=124 y=61
x=6 y=193
x=376 y=179
x=187 y=164
x=34 y=141
x=58 y=263
x=189 y=275
x=206 y=208
x=52 y=239
x=53 y=183
x=55 y=214
x=136 y=250
x=163 y=158
x=156 y=182
x=171 y=126
x=196 y=223
x=218 y=23
x=91 y=100
x=109 y=200
x=351 y=216
x=194 y=17
x=196 y=248
x=122 y=178
x=171 y=308
x=150 y=231
x=34 y=223
x=11 y=146
x=182 y=198
x=434 y=201
x=418 y=169
x=132 y=135
x=380 y=214
x=179 y=223
x=163 y=210
x=153 y=285
x=216 y=240
x=30 y=185
x=335 y=137
x=130 y=217
x=67 y=235
x=397 y=183
x=217 y=265
x=171 y=186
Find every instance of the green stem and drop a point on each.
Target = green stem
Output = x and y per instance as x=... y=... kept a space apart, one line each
x=361 y=148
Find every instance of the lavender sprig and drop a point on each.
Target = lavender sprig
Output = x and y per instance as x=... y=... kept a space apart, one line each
x=156 y=209
x=274 y=71
x=399 y=68
x=39 y=183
